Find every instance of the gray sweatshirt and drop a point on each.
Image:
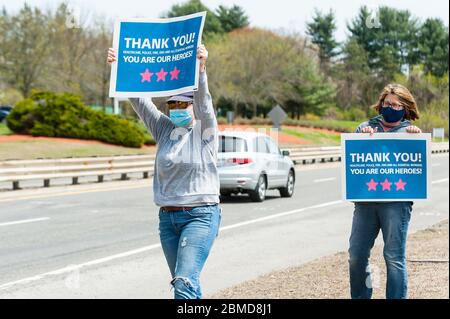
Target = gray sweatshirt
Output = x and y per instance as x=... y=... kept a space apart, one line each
x=186 y=159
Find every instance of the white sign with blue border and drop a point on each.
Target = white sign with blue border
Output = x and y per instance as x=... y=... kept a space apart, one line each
x=386 y=167
x=156 y=57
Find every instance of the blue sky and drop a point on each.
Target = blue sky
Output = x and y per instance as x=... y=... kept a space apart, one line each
x=281 y=14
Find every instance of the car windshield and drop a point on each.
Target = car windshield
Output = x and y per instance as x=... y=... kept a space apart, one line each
x=233 y=144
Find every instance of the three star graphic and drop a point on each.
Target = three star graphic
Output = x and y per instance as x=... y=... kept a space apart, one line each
x=386 y=185
x=161 y=75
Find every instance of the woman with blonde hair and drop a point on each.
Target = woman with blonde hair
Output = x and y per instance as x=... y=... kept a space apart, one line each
x=397 y=108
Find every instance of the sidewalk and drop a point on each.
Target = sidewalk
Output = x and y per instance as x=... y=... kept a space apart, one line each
x=327 y=277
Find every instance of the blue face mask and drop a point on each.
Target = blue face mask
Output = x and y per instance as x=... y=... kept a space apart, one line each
x=180 y=117
x=391 y=116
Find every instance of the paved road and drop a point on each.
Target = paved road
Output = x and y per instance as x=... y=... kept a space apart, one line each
x=101 y=241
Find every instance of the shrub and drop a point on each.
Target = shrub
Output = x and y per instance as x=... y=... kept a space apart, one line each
x=355 y=114
x=310 y=117
x=148 y=138
x=333 y=113
x=435 y=115
x=64 y=115
x=261 y=121
x=242 y=121
x=222 y=120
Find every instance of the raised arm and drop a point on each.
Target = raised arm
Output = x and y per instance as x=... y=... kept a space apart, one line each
x=156 y=122
x=203 y=106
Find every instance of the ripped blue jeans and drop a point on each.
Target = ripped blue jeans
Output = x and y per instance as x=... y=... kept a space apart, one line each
x=392 y=218
x=186 y=239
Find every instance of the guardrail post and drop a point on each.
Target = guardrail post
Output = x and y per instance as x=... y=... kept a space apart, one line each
x=100 y=178
x=46 y=183
x=75 y=181
x=145 y=175
x=16 y=185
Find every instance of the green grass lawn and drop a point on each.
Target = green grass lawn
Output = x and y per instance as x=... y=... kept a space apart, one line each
x=334 y=124
x=60 y=149
x=316 y=138
x=352 y=125
x=439 y=140
x=4 y=130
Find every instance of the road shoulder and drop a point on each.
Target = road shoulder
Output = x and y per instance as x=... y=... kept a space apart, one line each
x=327 y=277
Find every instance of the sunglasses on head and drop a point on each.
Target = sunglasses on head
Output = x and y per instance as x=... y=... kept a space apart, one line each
x=178 y=104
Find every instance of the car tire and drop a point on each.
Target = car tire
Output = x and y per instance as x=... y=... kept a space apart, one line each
x=288 y=191
x=225 y=194
x=259 y=193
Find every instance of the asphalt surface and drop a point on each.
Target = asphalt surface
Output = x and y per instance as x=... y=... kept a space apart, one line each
x=101 y=240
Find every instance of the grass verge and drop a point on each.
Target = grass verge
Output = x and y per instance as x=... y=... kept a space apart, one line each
x=316 y=138
x=60 y=149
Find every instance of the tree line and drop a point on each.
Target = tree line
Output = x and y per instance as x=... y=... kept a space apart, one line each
x=250 y=69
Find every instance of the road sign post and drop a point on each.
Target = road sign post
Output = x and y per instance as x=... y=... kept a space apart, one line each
x=439 y=133
x=230 y=117
x=277 y=115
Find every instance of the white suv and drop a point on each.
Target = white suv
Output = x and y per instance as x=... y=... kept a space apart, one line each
x=251 y=162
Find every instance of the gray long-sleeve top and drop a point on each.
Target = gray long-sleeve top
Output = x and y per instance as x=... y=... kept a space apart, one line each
x=186 y=160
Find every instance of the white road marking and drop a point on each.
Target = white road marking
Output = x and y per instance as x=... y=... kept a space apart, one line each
x=152 y=247
x=24 y=221
x=69 y=193
x=321 y=180
x=295 y=211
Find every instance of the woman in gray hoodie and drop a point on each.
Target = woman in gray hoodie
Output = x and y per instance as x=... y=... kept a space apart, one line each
x=186 y=182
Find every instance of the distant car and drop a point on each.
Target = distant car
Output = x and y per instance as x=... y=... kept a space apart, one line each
x=251 y=162
x=4 y=111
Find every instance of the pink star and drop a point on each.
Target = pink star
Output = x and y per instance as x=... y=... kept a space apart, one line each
x=372 y=185
x=386 y=185
x=400 y=185
x=146 y=76
x=161 y=75
x=174 y=73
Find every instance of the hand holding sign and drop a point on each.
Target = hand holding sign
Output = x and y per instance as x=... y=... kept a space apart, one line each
x=413 y=129
x=202 y=55
x=369 y=129
x=409 y=129
x=112 y=57
x=157 y=57
x=386 y=167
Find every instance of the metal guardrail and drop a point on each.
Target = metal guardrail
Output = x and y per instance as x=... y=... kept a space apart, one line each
x=311 y=155
x=16 y=171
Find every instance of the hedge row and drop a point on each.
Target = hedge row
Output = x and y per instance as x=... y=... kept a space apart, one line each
x=64 y=115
